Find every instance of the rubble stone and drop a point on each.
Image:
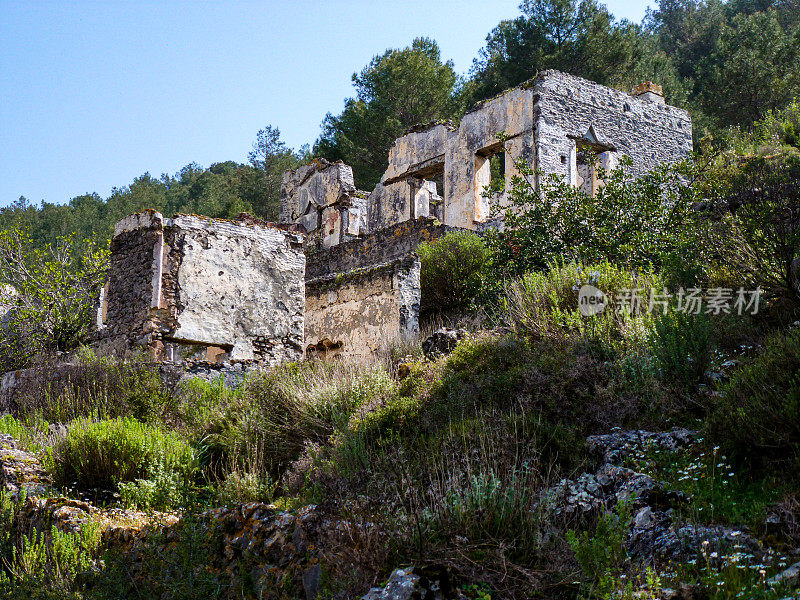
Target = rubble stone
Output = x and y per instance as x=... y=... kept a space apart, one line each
x=442 y=342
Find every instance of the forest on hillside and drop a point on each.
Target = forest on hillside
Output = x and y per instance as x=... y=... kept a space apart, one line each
x=732 y=64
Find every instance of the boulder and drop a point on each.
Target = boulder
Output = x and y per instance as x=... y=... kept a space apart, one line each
x=415 y=583
x=442 y=342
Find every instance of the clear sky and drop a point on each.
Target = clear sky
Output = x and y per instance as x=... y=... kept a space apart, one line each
x=93 y=94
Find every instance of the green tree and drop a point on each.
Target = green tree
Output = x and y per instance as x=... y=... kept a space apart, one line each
x=270 y=157
x=755 y=69
x=396 y=90
x=581 y=38
x=56 y=287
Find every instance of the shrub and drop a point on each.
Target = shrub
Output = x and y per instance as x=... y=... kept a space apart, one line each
x=104 y=454
x=545 y=304
x=681 y=345
x=450 y=273
x=601 y=553
x=646 y=222
x=755 y=202
x=757 y=417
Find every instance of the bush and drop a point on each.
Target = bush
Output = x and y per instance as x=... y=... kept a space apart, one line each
x=545 y=304
x=755 y=202
x=104 y=454
x=640 y=223
x=681 y=345
x=757 y=418
x=450 y=273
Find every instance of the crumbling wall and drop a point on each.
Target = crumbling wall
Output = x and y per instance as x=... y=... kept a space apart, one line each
x=382 y=246
x=639 y=126
x=356 y=314
x=322 y=197
x=551 y=123
x=215 y=290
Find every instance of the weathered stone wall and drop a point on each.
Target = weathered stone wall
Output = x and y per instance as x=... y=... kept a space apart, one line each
x=357 y=313
x=641 y=127
x=322 y=197
x=382 y=246
x=192 y=287
x=548 y=122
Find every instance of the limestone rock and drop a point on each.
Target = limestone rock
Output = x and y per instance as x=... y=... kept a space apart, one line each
x=442 y=342
x=413 y=584
x=21 y=473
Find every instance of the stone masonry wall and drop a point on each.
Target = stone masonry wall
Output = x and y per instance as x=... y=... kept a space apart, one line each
x=192 y=287
x=548 y=122
x=565 y=107
x=357 y=313
x=382 y=246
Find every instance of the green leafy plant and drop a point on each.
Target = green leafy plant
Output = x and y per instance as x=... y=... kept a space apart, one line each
x=681 y=345
x=450 y=274
x=756 y=420
x=108 y=453
x=55 y=287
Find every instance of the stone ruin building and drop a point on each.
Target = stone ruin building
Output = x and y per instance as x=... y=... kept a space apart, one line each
x=340 y=275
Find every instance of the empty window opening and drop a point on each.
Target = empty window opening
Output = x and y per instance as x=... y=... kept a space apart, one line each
x=490 y=179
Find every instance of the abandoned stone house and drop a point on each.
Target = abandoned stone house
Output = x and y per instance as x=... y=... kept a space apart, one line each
x=340 y=275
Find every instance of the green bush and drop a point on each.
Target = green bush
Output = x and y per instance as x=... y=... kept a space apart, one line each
x=642 y=223
x=450 y=273
x=681 y=345
x=757 y=417
x=104 y=454
x=545 y=304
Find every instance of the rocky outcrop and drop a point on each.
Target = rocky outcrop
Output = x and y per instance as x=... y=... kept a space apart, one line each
x=21 y=473
x=416 y=583
x=655 y=531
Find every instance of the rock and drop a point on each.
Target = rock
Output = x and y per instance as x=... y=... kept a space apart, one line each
x=311 y=578
x=414 y=584
x=21 y=473
x=615 y=447
x=442 y=342
x=788 y=576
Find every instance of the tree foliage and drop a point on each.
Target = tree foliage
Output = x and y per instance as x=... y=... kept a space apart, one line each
x=581 y=38
x=55 y=287
x=396 y=90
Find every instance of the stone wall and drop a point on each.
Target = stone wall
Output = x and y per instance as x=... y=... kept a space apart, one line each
x=356 y=314
x=641 y=127
x=441 y=170
x=192 y=287
x=382 y=246
x=322 y=197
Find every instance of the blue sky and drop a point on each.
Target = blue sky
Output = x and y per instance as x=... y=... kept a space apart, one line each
x=93 y=94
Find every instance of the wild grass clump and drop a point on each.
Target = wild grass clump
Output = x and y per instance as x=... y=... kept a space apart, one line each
x=94 y=387
x=105 y=454
x=280 y=412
